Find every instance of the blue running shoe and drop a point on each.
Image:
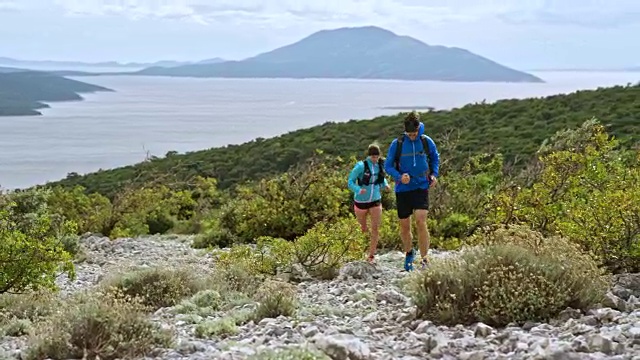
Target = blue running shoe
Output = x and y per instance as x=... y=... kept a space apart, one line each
x=408 y=260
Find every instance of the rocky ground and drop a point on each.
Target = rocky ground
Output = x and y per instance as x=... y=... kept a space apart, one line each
x=364 y=315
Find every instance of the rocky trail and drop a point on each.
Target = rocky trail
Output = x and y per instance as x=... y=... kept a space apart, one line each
x=362 y=314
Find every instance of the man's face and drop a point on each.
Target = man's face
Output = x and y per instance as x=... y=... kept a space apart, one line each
x=412 y=135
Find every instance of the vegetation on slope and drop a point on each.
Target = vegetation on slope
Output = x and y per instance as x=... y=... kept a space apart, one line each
x=582 y=185
x=514 y=128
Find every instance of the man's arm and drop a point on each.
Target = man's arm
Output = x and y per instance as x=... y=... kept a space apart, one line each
x=434 y=157
x=389 y=165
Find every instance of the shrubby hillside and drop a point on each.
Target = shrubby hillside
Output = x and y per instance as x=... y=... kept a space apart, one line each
x=526 y=242
x=582 y=185
x=514 y=128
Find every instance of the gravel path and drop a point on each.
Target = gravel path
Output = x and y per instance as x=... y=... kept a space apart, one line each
x=362 y=314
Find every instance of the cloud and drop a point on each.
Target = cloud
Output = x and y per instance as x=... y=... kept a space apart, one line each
x=602 y=19
x=134 y=9
x=276 y=11
x=585 y=13
x=282 y=13
x=9 y=6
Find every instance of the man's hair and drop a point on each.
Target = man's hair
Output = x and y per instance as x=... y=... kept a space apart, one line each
x=412 y=121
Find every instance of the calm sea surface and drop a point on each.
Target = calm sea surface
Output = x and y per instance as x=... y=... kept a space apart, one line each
x=153 y=115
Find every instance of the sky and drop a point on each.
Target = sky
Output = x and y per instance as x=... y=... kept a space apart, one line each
x=525 y=34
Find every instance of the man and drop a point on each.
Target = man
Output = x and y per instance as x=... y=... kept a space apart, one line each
x=416 y=170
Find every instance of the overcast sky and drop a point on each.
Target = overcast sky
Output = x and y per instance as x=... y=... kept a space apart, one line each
x=521 y=33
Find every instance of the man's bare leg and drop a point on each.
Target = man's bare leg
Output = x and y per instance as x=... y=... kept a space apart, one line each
x=405 y=234
x=423 y=231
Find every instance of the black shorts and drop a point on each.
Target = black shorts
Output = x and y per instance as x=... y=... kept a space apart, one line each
x=367 y=205
x=408 y=201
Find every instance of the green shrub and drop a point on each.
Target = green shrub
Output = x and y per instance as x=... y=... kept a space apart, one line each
x=147 y=210
x=216 y=328
x=208 y=302
x=460 y=200
x=16 y=327
x=455 y=225
x=321 y=251
x=325 y=248
x=31 y=306
x=158 y=287
x=213 y=234
x=389 y=231
x=91 y=212
x=275 y=298
x=511 y=277
x=585 y=189
x=32 y=253
x=289 y=353
x=105 y=325
x=244 y=264
x=288 y=205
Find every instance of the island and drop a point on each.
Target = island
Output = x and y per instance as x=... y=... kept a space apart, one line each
x=24 y=92
x=367 y=52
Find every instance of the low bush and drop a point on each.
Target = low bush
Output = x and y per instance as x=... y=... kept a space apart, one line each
x=32 y=306
x=275 y=298
x=513 y=276
x=108 y=326
x=157 y=287
x=325 y=248
x=321 y=251
x=216 y=328
x=289 y=353
x=243 y=267
x=588 y=279
x=20 y=312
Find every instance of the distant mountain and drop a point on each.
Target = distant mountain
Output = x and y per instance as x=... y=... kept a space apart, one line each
x=359 y=52
x=23 y=92
x=114 y=64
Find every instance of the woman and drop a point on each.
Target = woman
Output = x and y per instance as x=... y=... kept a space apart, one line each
x=366 y=181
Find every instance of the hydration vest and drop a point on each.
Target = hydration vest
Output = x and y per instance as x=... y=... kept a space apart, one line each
x=423 y=138
x=366 y=176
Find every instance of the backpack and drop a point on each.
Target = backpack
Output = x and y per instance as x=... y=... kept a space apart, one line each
x=423 y=138
x=366 y=178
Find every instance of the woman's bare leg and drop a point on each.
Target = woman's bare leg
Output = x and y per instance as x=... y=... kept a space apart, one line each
x=376 y=216
x=361 y=215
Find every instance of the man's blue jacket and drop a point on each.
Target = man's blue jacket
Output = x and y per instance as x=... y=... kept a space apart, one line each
x=413 y=161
